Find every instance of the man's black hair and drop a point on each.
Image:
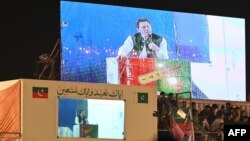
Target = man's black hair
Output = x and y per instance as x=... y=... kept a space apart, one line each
x=163 y=93
x=141 y=20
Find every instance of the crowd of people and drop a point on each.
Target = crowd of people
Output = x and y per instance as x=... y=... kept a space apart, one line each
x=213 y=117
x=209 y=121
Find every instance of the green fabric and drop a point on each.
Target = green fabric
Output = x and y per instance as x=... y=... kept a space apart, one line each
x=93 y=131
x=40 y=89
x=178 y=119
x=139 y=43
x=182 y=76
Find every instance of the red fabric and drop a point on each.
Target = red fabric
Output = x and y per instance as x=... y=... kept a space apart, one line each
x=183 y=129
x=131 y=68
x=40 y=95
x=10 y=112
x=83 y=130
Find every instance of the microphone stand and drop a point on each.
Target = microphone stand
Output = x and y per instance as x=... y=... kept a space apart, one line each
x=150 y=52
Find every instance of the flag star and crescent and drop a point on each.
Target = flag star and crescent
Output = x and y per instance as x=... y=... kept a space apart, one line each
x=40 y=92
x=142 y=97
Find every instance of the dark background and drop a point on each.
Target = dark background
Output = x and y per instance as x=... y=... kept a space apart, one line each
x=30 y=28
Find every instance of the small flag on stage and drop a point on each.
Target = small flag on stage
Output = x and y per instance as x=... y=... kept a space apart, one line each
x=40 y=92
x=142 y=98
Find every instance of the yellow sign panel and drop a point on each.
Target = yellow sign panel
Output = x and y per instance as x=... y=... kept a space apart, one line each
x=156 y=75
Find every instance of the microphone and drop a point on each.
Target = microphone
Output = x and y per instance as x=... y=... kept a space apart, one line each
x=148 y=39
x=151 y=48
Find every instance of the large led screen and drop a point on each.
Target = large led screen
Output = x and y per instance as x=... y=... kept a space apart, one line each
x=204 y=54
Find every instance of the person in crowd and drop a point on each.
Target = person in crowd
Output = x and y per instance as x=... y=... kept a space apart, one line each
x=203 y=123
x=228 y=107
x=144 y=43
x=243 y=116
x=220 y=132
x=228 y=104
x=237 y=114
x=195 y=117
x=194 y=109
x=161 y=101
x=219 y=119
x=229 y=118
x=213 y=114
x=206 y=111
x=171 y=101
x=164 y=112
x=222 y=109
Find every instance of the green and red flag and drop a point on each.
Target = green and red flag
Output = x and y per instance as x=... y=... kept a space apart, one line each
x=142 y=98
x=182 y=123
x=40 y=92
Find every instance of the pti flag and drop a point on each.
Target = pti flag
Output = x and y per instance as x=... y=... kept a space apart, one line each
x=40 y=92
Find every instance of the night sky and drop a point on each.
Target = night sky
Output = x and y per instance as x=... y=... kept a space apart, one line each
x=28 y=29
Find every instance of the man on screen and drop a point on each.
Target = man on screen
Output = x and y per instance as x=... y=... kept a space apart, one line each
x=81 y=118
x=144 y=43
